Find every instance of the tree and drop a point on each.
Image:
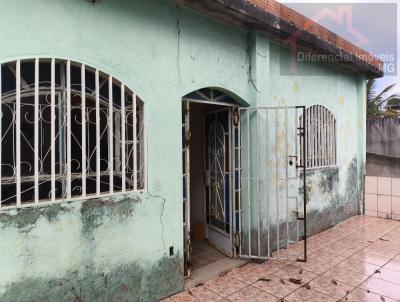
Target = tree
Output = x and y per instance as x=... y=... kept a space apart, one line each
x=377 y=101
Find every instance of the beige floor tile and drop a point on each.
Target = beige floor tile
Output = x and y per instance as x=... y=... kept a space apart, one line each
x=359 y=266
x=196 y=294
x=293 y=272
x=354 y=244
x=382 y=287
x=314 y=266
x=362 y=295
x=327 y=257
x=393 y=265
x=388 y=275
x=308 y=295
x=272 y=266
x=345 y=275
x=385 y=252
x=339 y=250
x=331 y=287
x=276 y=286
x=249 y=273
x=370 y=257
x=252 y=294
x=224 y=286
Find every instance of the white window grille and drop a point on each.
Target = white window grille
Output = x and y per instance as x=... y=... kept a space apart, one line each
x=67 y=131
x=320 y=137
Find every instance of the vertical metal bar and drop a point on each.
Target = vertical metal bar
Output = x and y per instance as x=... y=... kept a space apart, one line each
x=299 y=142
x=286 y=182
x=18 y=133
x=329 y=139
x=258 y=186
x=134 y=156
x=110 y=135
x=309 y=137
x=240 y=180
x=53 y=129
x=187 y=158
x=68 y=187
x=334 y=138
x=323 y=135
x=276 y=181
x=314 y=135
x=61 y=129
x=36 y=132
x=326 y=127
x=83 y=118
x=305 y=189
x=1 y=132
x=123 y=159
x=145 y=150
x=318 y=144
x=98 y=143
x=231 y=167
x=267 y=182
x=249 y=179
x=238 y=147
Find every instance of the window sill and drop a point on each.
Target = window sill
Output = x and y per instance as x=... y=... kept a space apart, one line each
x=77 y=199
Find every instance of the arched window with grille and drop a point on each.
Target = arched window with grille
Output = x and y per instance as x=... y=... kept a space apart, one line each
x=67 y=131
x=320 y=137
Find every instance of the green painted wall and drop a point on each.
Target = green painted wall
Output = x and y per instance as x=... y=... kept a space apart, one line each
x=118 y=250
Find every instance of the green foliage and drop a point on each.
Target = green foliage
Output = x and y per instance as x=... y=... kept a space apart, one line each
x=377 y=102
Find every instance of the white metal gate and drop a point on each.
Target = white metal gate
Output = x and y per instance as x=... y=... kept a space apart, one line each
x=272 y=207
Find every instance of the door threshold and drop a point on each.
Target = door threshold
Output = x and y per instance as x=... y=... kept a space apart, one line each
x=213 y=270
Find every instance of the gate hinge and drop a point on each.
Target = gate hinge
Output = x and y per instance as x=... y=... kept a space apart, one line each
x=236 y=239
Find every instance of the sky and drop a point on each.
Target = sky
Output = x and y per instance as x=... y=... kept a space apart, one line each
x=375 y=28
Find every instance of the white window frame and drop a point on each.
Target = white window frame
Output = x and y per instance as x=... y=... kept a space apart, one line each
x=320 y=137
x=115 y=157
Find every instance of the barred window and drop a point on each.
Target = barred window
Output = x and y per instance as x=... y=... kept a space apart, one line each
x=67 y=131
x=320 y=137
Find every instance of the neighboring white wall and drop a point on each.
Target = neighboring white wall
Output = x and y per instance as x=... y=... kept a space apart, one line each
x=382 y=197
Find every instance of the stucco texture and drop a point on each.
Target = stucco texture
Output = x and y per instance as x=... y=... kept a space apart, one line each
x=117 y=249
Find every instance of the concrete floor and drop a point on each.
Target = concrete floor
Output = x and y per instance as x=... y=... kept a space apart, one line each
x=207 y=263
x=356 y=261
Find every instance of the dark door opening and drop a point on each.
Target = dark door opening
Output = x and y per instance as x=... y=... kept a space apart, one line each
x=209 y=186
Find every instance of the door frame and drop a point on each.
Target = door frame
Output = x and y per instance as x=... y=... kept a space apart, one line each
x=211 y=230
x=185 y=103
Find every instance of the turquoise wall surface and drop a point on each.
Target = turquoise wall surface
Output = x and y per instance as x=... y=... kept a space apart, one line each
x=117 y=249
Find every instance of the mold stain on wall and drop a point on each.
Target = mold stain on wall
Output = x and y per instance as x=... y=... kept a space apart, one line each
x=108 y=280
x=127 y=282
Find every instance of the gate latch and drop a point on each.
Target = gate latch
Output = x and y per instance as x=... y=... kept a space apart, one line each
x=291 y=157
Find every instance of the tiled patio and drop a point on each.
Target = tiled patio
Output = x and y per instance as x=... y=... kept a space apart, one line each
x=358 y=260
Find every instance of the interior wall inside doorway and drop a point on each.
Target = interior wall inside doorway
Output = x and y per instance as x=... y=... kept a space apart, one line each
x=197 y=142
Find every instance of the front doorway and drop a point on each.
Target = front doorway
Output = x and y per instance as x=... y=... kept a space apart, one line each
x=209 y=143
x=243 y=183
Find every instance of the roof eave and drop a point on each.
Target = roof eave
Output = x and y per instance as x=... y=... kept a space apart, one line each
x=252 y=17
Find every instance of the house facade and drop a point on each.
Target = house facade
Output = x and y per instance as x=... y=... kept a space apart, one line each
x=129 y=127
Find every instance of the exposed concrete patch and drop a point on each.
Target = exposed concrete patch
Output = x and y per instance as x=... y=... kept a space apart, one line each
x=24 y=219
x=127 y=282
